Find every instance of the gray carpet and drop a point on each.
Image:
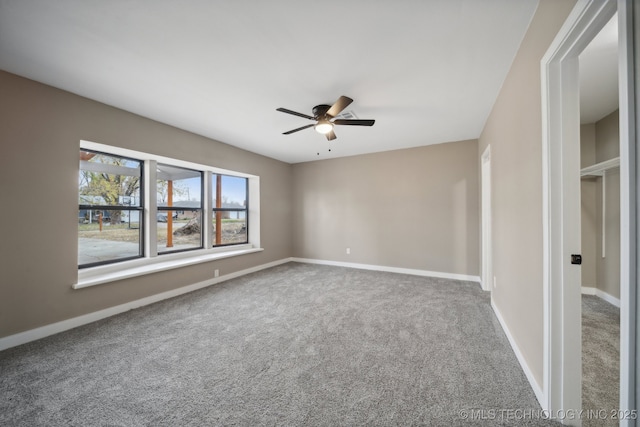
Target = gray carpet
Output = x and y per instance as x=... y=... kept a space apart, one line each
x=600 y=358
x=293 y=345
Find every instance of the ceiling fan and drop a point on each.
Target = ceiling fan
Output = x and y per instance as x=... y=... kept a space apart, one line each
x=324 y=116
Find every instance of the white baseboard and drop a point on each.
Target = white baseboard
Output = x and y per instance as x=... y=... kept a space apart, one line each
x=54 y=328
x=411 y=271
x=589 y=290
x=537 y=390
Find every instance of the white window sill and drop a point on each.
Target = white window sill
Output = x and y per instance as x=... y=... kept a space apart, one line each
x=139 y=267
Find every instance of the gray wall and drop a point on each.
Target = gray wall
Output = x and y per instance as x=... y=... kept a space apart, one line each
x=40 y=133
x=514 y=131
x=415 y=208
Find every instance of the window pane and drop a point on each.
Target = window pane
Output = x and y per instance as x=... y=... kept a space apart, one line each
x=107 y=235
x=108 y=180
x=229 y=225
x=233 y=191
x=233 y=228
x=179 y=218
x=179 y=230
x=179 y=187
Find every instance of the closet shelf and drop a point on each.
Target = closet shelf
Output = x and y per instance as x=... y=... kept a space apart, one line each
x=599 y=168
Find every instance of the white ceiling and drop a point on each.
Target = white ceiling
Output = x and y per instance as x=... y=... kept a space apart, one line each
x=426 y=71
x=599 y=75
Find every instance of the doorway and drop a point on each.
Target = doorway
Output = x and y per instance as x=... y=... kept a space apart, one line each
x=561 y=205
x=600 y=224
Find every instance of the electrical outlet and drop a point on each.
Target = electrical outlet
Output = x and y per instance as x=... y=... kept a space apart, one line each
x=495 y=283
x=216 y=273
x=348 y=251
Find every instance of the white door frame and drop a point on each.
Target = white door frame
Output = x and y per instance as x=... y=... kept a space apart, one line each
x=561 y=230
x=629 y=82
x=487 y=254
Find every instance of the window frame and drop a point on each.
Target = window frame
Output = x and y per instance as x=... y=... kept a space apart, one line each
x=128 y=208
x=215 y=210
x=152 y=261
x=175 y=208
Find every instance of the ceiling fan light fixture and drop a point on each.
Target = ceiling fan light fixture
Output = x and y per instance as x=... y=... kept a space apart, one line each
x=324 y=127
x=326 y=117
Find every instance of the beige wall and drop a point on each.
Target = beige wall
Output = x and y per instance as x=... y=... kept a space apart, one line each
x=608 y=147
x=600 y=141
x=514 y=131
x=608 y=137
x=608 y=268
x=415 y=208
x=40 y=133
x=589 y=207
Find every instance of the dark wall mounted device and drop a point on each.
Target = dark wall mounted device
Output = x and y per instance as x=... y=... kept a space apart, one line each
x=576 y=259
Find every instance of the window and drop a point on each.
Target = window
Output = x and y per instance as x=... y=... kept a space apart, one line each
x=229 y=210
x=110 y=208
x=139 y=213
x=179 y=213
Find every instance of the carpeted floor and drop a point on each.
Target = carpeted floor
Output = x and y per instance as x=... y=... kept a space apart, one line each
x=296 y=344
x=600 y=359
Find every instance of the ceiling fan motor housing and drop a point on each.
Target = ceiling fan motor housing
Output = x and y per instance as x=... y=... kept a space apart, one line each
x=320 y=111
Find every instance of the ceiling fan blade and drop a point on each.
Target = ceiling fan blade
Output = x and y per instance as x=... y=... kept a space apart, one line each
x=284 y=110
x=339 y=105
x=296 y=130
x=330 y=135
x=354 y=122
